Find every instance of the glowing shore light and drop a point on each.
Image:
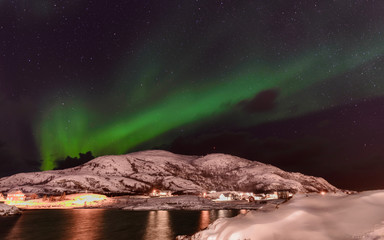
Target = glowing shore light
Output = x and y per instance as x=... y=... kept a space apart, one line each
x=88 y=198
x=71 y=201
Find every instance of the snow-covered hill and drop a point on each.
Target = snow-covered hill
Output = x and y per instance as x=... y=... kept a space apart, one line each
x=140 y=171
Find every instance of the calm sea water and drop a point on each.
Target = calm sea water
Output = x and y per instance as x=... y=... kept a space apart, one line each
x=107 y=224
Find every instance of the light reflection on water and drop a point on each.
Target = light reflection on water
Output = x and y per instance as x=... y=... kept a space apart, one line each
x=158 y=226
x=85 y=224
x=16 y=231
x=243 y=211
x=224 y=213
x=204 y=220
x=107 y=224
x=209 y=216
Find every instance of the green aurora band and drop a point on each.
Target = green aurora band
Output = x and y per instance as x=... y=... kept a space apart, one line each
x=72 y=128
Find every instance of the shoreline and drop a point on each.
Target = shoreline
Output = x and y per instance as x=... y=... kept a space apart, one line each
x=128 y=203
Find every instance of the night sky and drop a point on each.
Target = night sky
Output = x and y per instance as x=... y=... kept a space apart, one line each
x=296 y=84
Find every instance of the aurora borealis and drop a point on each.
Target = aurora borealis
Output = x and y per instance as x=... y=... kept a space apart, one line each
x=194 y=77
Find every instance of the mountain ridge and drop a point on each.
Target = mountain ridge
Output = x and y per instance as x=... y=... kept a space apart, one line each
x=139 y=172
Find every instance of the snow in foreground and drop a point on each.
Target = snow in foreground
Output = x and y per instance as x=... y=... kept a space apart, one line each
x=359 y=216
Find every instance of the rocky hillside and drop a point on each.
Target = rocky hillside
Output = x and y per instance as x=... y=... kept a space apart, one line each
x=140 y=171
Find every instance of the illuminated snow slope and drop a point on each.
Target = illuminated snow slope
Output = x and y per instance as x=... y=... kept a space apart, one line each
x=140 y=171
x=330 y=217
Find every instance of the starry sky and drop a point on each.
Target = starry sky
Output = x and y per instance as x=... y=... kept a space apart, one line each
x=297 y=84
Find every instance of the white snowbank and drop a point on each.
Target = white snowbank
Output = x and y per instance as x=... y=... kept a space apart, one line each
x=330 y=217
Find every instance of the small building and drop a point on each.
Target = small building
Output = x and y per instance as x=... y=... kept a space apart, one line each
x=16 y=196
x=2 y=199
x=284 y=194
x=271 y=196
x=158 y=193
x=225 y=197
